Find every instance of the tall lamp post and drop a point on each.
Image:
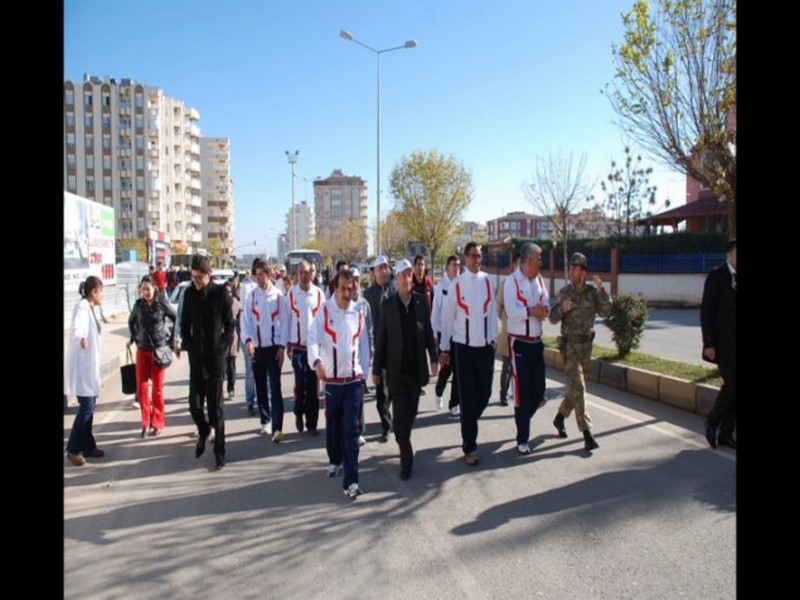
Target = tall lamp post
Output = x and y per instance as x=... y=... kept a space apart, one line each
x=293 y=161
x=409 y=44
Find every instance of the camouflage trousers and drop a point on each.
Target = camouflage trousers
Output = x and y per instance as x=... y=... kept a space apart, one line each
x=576 y=363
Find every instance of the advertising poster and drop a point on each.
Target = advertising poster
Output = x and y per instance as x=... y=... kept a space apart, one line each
x=89 y=241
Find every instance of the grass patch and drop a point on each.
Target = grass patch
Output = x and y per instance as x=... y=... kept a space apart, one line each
x=663 y=366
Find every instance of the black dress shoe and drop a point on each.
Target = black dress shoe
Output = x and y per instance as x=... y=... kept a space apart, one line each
x=298 y=423
x=711 y=434
x=144 y=431
x=220 y=461
x=201 y=444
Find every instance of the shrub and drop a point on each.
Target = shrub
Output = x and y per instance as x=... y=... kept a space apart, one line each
x=627 y=322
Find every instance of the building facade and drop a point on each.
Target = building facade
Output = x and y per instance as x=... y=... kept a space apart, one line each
x=518 y=224
x=217 y=196
x=131 y=147
x=303 y=223
x=337 y=199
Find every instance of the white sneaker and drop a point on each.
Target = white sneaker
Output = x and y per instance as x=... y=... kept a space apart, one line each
x=211 y=435
x=334 y=470
x=361 y=440
x=135 y=404
x=438 y=403
x=524 y=448
x=353 y=491
x=456 y=410
x=278 y=437
x=265 y=429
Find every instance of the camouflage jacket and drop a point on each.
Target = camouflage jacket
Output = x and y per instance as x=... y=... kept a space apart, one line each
x=586 y=304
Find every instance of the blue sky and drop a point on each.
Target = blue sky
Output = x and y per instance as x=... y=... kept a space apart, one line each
x=494 y=83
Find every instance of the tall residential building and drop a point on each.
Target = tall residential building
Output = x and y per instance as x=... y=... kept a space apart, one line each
x=217 y=194
x=304 y=224
x=131 y=147
x=337 y=199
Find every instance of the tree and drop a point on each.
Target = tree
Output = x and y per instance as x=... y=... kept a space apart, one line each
x=431 y=192
x=555 y=189
x=626 y=187
x=216 y=249
x=137 y=244
x=348 y=241
x=393 y=235
x=674 y=89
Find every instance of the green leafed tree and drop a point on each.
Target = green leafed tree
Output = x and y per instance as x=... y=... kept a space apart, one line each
x=393 y=236
x=674 y=89
x=431 y=192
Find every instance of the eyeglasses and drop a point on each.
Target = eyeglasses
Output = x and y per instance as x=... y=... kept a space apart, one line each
x=199 y=276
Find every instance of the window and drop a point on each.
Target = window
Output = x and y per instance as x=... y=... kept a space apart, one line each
x=107 y=183
x=106 y=122
x=90 y=161
x=71 y=183
x=71 y=140
x=107 y=163
x=106 y=99
x=88 y=121
x=139 y=100
x=106 y=141
x=139 y=121
x=140 y=183
x=140 y=162
x=90 y=184
x=70 y=119
x=69 y=97
x=89 y=142
x=70 y=161
x=140 y=142
x=87 y=98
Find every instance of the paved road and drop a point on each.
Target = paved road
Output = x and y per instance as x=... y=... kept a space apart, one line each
x=672 y=333
x=651 y=514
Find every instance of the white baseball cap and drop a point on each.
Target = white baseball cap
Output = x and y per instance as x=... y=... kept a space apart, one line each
x=402 y=265
x=381 y=260
x=355 y=272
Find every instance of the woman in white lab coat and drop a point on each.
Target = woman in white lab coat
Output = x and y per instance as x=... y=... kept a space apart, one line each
x=82 y=373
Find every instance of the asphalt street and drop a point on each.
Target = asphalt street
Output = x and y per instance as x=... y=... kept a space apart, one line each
x=650 y=514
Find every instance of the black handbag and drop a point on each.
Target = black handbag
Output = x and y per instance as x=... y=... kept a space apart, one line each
x=162 y=355
x=128 y=374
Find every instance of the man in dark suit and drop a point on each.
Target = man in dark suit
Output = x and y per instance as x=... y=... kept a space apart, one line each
x=405 y=324
x=718 y=324
x=207 y=329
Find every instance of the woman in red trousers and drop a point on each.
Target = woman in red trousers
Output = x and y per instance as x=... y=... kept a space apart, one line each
x=147 y=324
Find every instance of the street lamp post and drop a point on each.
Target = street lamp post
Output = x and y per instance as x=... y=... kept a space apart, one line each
x=293 y=161
x=409 y=44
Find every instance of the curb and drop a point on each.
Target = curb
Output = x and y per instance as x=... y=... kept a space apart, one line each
x=680 y=393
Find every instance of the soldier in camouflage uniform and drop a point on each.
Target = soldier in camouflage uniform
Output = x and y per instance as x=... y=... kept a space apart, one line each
x=576 y=306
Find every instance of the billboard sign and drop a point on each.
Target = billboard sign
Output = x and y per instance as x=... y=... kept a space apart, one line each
x=89 y=241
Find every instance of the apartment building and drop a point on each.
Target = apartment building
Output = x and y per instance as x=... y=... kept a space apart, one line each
x=130 y=146
x=339 y=198
x=303 y=224
x=518 y=224
x=217 y=195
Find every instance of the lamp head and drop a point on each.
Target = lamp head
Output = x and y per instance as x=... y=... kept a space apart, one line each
x=346 y=35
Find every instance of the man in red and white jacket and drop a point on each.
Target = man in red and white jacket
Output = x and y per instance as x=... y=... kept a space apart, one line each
x=527 y=305
x=469 y=330
x=338 y=350
x=305 y=301
x=265 y=332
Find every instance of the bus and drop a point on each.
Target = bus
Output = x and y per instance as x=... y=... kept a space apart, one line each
x=294 y=257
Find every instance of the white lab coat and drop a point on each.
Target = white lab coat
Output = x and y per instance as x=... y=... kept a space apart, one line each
x=82 y=371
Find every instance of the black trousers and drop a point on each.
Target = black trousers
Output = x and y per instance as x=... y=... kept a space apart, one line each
x=382 y=403
x=405 y=400
x=441 y=382
x=306 y=399
x=230 y=371
x=207 y=390
x=724 y=411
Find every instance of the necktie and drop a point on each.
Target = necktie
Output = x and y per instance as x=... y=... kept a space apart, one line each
x=733 y=281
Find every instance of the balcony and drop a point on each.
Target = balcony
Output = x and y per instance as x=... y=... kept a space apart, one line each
x=153 y=153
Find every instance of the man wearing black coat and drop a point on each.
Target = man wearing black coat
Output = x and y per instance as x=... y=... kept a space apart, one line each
x=207 y=329
x=718 y=324
x=403 y=336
